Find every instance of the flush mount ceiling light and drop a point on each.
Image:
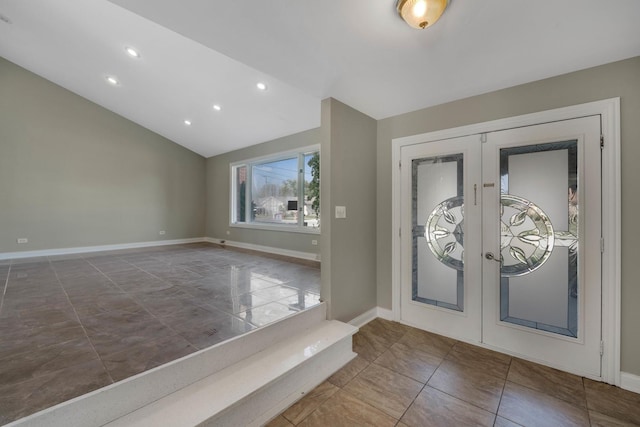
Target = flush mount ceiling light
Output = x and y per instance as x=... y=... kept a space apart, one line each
x=132 y=52
x=421 y=14
x=261 y=86
x=217 y=107
x=187 y=122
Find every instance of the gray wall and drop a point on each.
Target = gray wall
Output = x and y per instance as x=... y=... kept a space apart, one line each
x=348 y=171
x=619 y=79
x=75 y=174
x=218 y=187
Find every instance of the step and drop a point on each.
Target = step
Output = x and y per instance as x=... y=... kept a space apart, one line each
x=244 y=381
x=255 y=389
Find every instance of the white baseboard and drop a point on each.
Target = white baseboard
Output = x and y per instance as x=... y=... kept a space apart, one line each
x=309 y=256
x=369 y=315
x=630 y=382
x=385 y=313
x=135 y=245
x=364 y=318
x=101 y=248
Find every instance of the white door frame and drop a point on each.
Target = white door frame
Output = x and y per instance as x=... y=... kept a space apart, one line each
x=609 y=110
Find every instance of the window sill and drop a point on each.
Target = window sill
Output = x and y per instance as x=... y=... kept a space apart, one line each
x=281 y=228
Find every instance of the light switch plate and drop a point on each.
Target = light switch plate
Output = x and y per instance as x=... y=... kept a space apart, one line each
x=341 y=211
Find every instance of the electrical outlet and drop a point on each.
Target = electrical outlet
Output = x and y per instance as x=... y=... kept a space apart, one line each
x=314 y=242
x=341 y=211
x=228 y=232
x=162 y=232
x=22 y=240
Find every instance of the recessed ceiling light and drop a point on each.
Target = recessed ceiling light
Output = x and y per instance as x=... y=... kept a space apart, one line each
x=5 y=19
x=132 y=52
x=187 y=122
x=112 y=80
x=261 y=86
x=217 y=107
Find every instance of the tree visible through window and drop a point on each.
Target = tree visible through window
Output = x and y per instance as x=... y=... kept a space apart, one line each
x=314 y=186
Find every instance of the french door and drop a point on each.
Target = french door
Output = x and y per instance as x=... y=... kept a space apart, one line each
x=500 y=241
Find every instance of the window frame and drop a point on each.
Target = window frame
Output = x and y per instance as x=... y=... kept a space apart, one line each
x=300 y=153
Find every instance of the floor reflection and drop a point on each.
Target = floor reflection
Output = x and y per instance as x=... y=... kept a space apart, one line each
x=72 y=324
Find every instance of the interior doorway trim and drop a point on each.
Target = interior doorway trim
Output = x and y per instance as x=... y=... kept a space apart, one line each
x=609 y=111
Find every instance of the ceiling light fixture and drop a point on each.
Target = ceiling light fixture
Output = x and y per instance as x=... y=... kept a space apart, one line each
x=217 y=107
x=132 y=52
x=261 y=86
x=112 y=80
x=421 y=14
x=187 y=122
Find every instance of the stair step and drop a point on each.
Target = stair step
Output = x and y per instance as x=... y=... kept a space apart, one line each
x=246 y=392
x=243 y=381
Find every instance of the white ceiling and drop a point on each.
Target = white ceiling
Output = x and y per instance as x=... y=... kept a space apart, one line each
x=196 y=53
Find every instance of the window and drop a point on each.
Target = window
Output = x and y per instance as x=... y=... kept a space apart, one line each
x=281 y=191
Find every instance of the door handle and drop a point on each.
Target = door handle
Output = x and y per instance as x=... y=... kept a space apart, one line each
x=491 y=256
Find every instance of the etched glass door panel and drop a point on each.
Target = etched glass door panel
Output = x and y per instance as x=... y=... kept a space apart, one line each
x=438 y=230
x=441 y=283
x=500 y=241
x=541 y=243
x=539 y=224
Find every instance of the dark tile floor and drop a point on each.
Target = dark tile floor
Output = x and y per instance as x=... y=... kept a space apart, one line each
x=407 y=377
x=73 y=324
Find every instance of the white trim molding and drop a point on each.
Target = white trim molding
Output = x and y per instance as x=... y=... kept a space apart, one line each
x=609 y=112
x=308 y=256
x=612 y=235
x=385 y=313
x=369 y=315
x=364 y=318
x=630 y=382
x=100 y=248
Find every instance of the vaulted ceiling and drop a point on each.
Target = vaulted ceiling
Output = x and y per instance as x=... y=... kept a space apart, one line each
x=195 y=54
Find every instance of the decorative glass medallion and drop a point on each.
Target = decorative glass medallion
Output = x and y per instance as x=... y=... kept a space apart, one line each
x=529 y=241
x=445 y=231
x=526 y=235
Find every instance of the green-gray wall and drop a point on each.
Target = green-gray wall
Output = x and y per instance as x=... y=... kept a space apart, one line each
x=347 y=247
x=619 y=79
x=218 y=197
x=74 y=174
x=348 y=173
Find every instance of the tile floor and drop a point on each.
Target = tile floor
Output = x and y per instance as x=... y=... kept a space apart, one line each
x=73 y=324
x=407 y=377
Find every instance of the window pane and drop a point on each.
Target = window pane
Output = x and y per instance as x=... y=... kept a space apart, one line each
x=311 y=209
x=438 y=231
x=274 y=191
x=240 y=196
x=539 y=283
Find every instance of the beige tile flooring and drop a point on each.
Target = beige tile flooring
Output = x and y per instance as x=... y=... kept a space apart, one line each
x=407 y=377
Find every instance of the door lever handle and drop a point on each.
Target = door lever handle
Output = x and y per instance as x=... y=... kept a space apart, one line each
x=491 y=256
